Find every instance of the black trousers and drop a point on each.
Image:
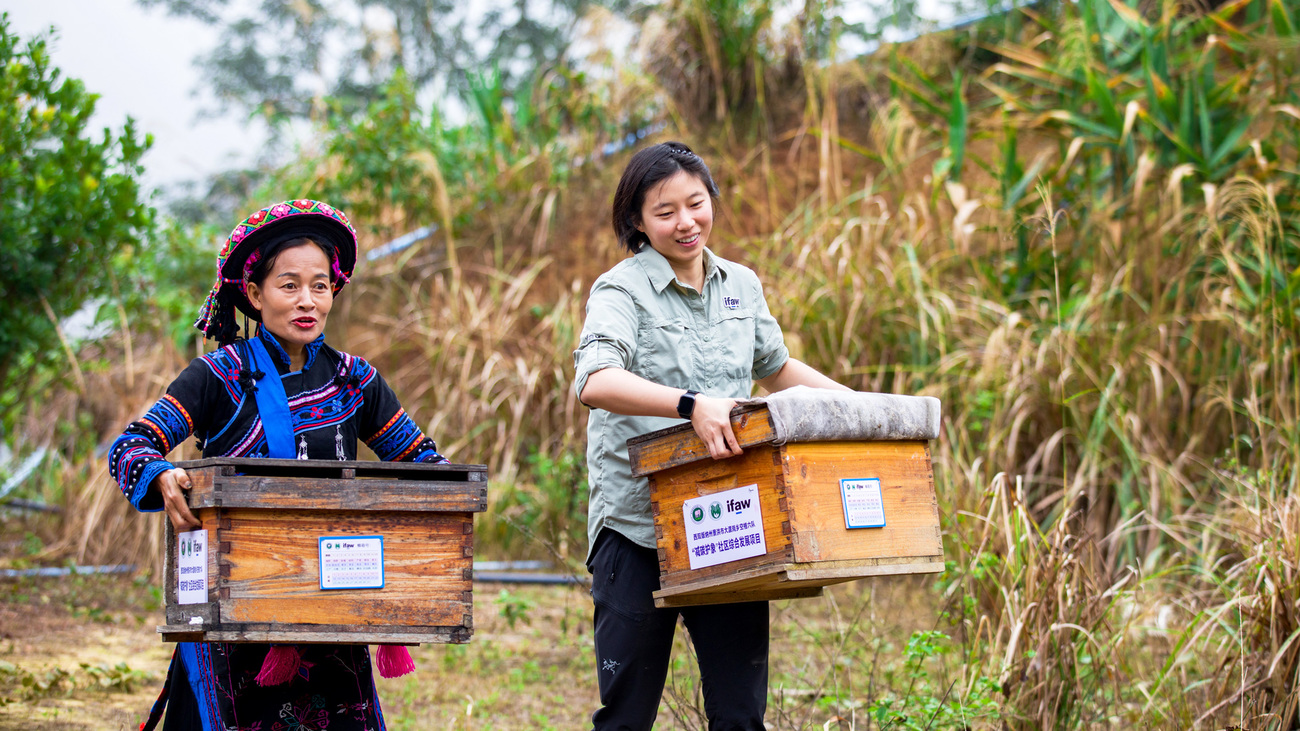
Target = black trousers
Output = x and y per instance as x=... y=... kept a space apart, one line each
x=634 y=642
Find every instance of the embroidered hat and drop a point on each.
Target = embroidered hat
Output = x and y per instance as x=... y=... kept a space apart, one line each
x=260 y=233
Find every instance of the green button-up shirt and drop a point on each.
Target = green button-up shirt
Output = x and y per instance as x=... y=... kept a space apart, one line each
x=642 y=319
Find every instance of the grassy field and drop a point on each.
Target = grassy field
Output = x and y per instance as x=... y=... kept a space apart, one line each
x=82 y=653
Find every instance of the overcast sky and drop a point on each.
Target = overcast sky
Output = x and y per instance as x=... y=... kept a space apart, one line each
x=140 y=63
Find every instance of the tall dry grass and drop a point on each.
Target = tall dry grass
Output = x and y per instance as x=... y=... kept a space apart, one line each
x=94 y=523
x=1117 y=464
x=1116 y=467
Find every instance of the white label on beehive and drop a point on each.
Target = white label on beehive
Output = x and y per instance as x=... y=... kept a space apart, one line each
x=192 y=567
x=351 y=562
x=863 y=507
x=725 y=526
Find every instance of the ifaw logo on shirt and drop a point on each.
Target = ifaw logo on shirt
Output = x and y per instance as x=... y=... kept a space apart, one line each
x=731 y=303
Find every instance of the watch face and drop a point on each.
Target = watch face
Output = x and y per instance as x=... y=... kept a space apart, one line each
x=686 y=405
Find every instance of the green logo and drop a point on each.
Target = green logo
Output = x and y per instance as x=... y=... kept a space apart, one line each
x=697 y=514
x=329 y=545
x=715 y=510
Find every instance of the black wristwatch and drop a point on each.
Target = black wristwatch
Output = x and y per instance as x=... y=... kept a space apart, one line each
x=686 y=404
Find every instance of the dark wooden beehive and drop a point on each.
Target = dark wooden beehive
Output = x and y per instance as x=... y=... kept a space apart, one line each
x=264 y=518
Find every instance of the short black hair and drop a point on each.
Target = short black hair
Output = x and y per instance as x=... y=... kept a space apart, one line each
x=646 y=169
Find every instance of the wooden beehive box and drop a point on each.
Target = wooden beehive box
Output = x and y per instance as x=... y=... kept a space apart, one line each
x=268 y=523
x=804 y=519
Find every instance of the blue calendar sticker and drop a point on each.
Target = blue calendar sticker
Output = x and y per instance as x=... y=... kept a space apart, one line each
x=351 y=562
x=863 y=507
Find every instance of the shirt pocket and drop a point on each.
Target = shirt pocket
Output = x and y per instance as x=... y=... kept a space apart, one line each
x=734 y=343
x=665 y=351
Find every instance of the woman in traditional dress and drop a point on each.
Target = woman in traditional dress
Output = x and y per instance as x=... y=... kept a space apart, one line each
x=674 y=331
x=281 y=393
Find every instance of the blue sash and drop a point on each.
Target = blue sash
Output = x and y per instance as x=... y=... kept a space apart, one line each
x=198 y=666
x=272 y=405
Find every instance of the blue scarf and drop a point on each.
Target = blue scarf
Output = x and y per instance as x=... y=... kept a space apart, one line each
x=272 y=405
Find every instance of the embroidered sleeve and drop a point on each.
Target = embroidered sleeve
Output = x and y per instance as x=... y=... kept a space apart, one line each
x=139 y=454
x=387 y=429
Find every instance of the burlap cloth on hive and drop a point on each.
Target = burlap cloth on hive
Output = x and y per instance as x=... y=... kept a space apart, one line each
x=803 y=414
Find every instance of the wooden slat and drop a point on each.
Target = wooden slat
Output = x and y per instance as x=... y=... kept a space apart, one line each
x=813 y=473
x=209 y=612
x=679 y=445
x=169 y=565
x=312 y=493
x=274 y=573
x=324 y=635
x=819 y=572
x=732 y=573
x=741 y=579
x=332 y=469
x=772 y=583
x=732 y=597
x=791 y=581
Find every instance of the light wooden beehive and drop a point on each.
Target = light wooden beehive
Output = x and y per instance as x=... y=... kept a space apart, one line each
x=264 y=518
x=808 y=541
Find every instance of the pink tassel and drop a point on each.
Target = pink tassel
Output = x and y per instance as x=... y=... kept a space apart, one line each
x=280 y=665
x=394 y=661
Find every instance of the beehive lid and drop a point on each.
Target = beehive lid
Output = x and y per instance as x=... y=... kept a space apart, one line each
x=336 y=485
x=798 y=414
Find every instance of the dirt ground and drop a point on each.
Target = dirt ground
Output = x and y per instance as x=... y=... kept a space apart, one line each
x=82 y=653
x=50 y=627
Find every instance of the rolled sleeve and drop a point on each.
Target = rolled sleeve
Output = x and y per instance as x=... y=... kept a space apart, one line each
x=609 y=334
x=770 y=353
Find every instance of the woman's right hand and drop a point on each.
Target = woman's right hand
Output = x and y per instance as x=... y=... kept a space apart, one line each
x=172 y=484
x=712 y=421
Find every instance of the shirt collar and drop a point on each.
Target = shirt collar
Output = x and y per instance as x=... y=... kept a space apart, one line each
x=278 y=352
x=660 y=271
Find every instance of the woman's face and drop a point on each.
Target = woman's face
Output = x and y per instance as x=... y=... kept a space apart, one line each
x=296 y=296
x=677 y=216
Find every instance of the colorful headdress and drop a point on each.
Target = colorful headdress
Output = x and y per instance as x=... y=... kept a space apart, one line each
x=260 y=233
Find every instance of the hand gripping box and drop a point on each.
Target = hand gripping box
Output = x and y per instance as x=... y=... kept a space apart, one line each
x=831 y=487
x=314 y=551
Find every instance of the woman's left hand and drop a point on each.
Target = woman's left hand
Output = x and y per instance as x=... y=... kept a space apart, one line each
x=712 y=421
x=172 y=485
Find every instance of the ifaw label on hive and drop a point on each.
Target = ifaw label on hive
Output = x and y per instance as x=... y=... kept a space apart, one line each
x=192 y=567
x=725 y=526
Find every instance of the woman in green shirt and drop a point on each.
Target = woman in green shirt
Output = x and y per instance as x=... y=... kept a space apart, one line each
x=673 y=332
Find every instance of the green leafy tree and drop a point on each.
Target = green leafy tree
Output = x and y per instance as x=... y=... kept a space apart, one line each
x=282 y=59
x=68 y=200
